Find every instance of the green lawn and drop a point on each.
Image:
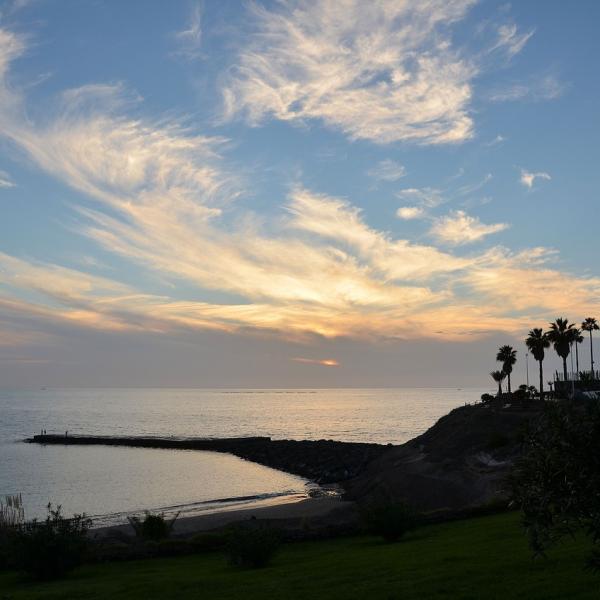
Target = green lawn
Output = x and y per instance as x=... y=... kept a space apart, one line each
x=479 y=558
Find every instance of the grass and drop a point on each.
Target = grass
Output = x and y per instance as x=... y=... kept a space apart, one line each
x=478 y=558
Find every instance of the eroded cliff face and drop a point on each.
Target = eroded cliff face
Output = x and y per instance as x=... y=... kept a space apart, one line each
x=460 y=462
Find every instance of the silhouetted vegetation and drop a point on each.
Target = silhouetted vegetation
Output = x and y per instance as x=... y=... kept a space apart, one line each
x=12 y=516
x=152 y=527
x=507 y=355
x=209 y=542
x=174 y=548
x=577 y=339
x=590 y=325
x=252 y=547
x=525 y=392
x=498 y=377
x=390 y=521
x=556 y=482
x=537 y=341
x=562 y=334
x=485 y=557
x=52 y=548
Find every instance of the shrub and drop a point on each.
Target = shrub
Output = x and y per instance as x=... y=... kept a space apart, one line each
x=487 y=398
x=208 y=542
x=52 y=548
x=111 y=550
x=12 y=516
x=7 y=547
x=252 y=547
x=556 y=481
x=390 y=521
x=152 y=527
x=174 y=548
x=521 y=393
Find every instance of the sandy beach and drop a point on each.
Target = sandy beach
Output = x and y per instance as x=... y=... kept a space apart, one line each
x=287 y=514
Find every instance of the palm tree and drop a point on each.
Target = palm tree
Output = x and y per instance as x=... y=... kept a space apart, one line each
x=561 y=335
x=498 y=377
x=537 y=341
x=507 y=355
x=590 y=325
x=577 y=339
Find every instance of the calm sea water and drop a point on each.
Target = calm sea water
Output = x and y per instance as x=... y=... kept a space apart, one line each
x=110 y=482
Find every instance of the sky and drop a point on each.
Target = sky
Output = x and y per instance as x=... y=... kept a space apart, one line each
x=293 y=194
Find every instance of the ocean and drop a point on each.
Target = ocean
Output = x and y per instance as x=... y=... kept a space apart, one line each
x=109 y=483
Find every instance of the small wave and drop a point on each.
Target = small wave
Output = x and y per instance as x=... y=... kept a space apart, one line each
x=203 y=506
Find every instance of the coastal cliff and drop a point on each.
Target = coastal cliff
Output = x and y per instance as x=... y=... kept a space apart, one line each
x=462 y=461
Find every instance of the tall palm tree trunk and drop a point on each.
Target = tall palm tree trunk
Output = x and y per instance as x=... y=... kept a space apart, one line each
x=499 y=388
x=508 y=376
x=577 y=358
x=565 y=368
x=541 y=381
x=591 y=354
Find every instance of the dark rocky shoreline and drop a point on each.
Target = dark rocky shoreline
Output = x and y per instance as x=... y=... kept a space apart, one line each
x=322 y=461
x=459 y=463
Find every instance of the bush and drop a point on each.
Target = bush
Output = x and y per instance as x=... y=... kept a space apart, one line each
x=12 y=516
x=486 y=398
x=521 y=393
x=52 y=548
x=7 y=546
x=174 y=548
x=208 y=542
x=556 y=481
x=252 y=547
x=111 y=550
x=152 y=527
x=390 y=521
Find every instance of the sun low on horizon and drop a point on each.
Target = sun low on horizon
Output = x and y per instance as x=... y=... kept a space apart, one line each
x=291 y=194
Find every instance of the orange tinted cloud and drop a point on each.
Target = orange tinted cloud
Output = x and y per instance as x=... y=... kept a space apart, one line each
x=326 y=362
x=316 y=267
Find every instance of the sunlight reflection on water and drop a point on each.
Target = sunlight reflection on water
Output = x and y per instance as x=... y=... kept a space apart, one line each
x=100 y=480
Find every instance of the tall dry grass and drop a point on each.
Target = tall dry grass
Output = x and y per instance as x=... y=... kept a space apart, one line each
x=12 y=511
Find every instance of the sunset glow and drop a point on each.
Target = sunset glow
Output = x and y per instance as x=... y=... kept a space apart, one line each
x=417 y=212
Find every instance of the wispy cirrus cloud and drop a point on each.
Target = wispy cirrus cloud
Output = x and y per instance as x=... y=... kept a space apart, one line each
x=383 y=71
x=6 y=180
x=459 y=228
x=470 y=188
x=426 y=197
x=499 y=139
x=10 y=7
x=158 y=194
x=535 y=89
x=528 y=178
x=423 y=200
x=510 y=40
x=387 y=170
x=189 y=39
